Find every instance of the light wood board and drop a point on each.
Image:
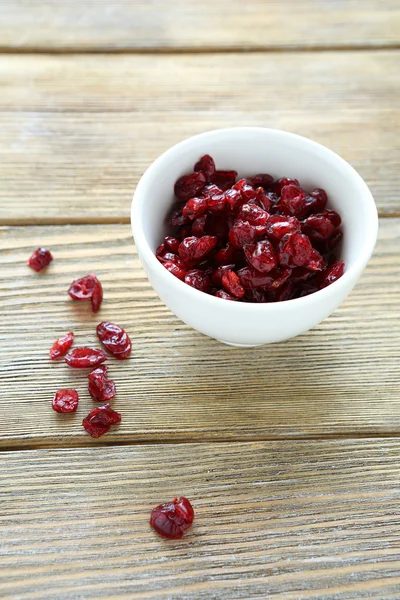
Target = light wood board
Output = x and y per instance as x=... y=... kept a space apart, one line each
x=76 y=133
x=70 y=25
x=341 y=378
x=294 y=520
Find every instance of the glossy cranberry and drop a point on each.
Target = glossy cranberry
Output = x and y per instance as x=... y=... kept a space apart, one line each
x=84 y=358
x=171 y=244
x=263 y=200
x=333 y=241
x=261 y=256
x=253 y=214
x=177 y=218
x=216 y=276
x=231 y=283
x=207 y=165
x=248 y=193
x=115 y=339
x=250 y=278
x=319 y=198
x=280 y=225
x=171 y=257
x=88 y=287
x=100 y=387
x=174 y=269
x=65 y=401
x=317 y=228
x=194 y=208
x=192 y=250
x=331 y=274
x=293 y=201
x=199 y=280
x=227 y=255
x=40 y=259
x=170 y=520
x=282 y=182
x=217 y=202
x=295 y=250
x=261 y=180
x=100 y=419
x=334 y=217
x=287 y=292
x=234 y=200
x=188 y=186
x=61 y=346
x=243 y=233
x=224 y=295
x=97 y=296
x=224 y=179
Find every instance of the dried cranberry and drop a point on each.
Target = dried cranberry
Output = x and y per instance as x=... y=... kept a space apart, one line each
x=243 y=233
x=216 y=277
x=319 y=198
x=100 y=419
x=295 y=250
x=177 y=218
x=248 y=193
x=331 y=274
x=263 y=200
x=189 y=185
x=333 y=216
x=88 y=287
x=216 y=203
x=231 y=283
x=293 y=201
x=194 y=208
x=61 y=346
x=40 y=259
x=170 y=520
x=192 y=249
x=84 y=358
x=250 y=278
x=333 y=241
x=198 y=280
x=261 y=256
x=198 y=227
x=100 y=387
x=261 y=180
x=174 y=269
x=65 y=401
x=207 y=165
x=227 y=255
x=224 y=295
x=280 y=225
x=317 y=228
x=115 y=339
x=253 y=214
x=281 y=183
x=224 y=179
x=171 y=244
x=184 y=232
x=170 y=257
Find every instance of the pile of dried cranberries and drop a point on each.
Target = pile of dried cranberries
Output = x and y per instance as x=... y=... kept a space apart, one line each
x=252 y=240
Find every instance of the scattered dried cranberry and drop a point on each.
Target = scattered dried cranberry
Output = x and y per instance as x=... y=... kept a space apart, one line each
x=84 y=358
x=65 y=401
x=101 y=388
x=170 y=520
x=61 y=346
x=251 y=240
x=40 y=259
x=100 y=419
x=87 y=288
x=115 y=339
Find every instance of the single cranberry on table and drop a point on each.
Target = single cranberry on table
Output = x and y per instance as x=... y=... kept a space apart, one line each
x=85 y=358
x=114 y=339
x=100 y=387
x=65 y=401
x=40 y=259
x=170 y=520
x=87 y=288
x=99 y=420
x=61 y=346
x=253 y=239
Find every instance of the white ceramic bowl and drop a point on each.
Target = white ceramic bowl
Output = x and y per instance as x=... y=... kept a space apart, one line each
x=251 y=150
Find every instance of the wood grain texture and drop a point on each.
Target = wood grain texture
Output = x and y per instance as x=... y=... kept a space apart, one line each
x=295 y=520
x=189 y=24
x=76 y=133
x=341 y=378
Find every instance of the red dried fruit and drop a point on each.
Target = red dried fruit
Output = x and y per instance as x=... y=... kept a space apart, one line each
x=261 y=180
x=194 y=208
x=224 y=295
x=188 y=186
x=261 y=256
x=280 y=225
x=171 y=244
x=334 y=217
x=184 y=232
x=248 y=193
x=295 y=250
x=231 y=283
x=243 y=233
x=319 y=198
x=282 y=182
x=84 y=358
x=174 y=269
x=224 y=179
x=227 y=255
x=192 y=249
x=170 y=520
x=88 y=287
x=170 y=257
x=216 y=202
x=100 y=419
x=207 y=165
x=65 y=401
x=317 y=228
x=293 y=201
x=61 y=346
x=198 y=280
x=253 y=214
x=100 y=387
x=263 y=200
x=198 y=227
x=216 y=276
x=40 y=259
x=250 y=278
x=115 y=339
x=334 y=241
x=330 y=274
x=177 y=218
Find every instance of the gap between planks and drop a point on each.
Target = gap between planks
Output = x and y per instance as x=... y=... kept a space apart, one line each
x=192 y=50
x=182 y=441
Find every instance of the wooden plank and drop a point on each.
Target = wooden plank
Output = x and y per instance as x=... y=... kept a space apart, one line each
x=76 y=133
x=341 y=378
x=296 y=519
x=123 y=24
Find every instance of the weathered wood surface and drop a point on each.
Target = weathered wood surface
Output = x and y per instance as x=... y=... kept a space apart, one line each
x=341 y=378
x=76 y=133
x=287 y=519
x=33 y=25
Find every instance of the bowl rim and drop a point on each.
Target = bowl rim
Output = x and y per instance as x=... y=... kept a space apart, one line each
x=147 y=255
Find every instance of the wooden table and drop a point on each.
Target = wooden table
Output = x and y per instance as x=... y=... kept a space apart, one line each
x=291 y=452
